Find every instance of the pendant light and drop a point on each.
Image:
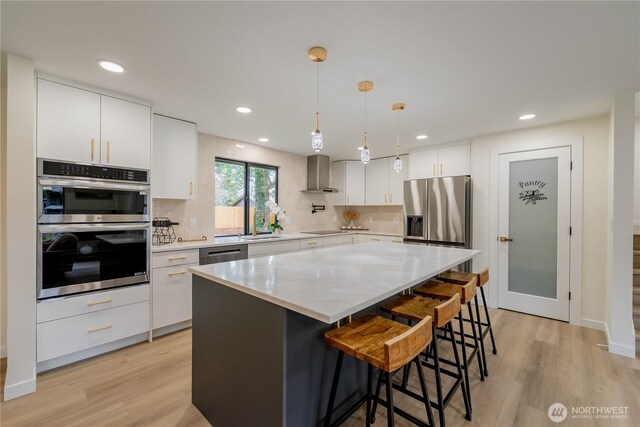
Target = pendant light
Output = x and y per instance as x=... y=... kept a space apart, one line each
x=365 y=86
x=317 y=55
x=397 y=163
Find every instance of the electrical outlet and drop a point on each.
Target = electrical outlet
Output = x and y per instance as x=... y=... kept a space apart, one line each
x=192 y=221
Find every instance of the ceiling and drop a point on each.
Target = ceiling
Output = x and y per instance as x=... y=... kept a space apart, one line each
x=463 y=69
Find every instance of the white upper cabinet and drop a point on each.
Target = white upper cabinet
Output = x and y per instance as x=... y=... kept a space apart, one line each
x=377 y=179
x=455 y=160
x=174 y=158
x=125 y=133
x=85 y=126
x=384 y=185
x=396 y=181
x=445 y=161
x=68 y=125
x=423 y=164
x=348 y=177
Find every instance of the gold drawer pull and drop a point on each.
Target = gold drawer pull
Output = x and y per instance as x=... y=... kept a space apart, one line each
x=396 y=241
x=108 y=151
x=93 y=148
x=313 y=243
x=176 y=273
x=175 y=258
x=373 y=239
x=105 y=301
x=101 y=328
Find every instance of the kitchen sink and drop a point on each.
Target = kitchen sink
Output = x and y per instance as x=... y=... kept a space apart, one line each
x=263 y=237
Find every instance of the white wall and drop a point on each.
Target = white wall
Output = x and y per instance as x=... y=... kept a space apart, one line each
x=620 y=332
x=636 y=199
x=594 y=130
x=20 y=188
x=3 y=209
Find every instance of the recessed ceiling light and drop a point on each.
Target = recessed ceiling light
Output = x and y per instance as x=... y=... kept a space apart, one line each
x=527 y=116
x=263 y=139
x=361 y=148
x=110 y=66
x=422 y=137
x=243 y=110
x=239 y=145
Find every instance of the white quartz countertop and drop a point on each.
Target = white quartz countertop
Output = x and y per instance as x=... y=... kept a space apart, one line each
x=332 y=283
x=235 y=240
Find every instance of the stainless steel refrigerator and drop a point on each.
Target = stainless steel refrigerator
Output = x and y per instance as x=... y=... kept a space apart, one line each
x=438 y=211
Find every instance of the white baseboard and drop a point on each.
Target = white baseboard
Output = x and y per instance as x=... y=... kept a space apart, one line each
x=20 y=389
x=171 y=328
x=619 y=349
x=593 y=324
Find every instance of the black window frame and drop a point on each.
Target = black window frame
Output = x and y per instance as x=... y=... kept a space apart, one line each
x=247 y=183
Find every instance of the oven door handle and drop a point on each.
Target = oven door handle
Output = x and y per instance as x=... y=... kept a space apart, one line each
x=76 y=183
x=60 y=228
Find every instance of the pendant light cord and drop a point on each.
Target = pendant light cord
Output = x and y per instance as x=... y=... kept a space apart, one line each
x=398 y=136
x=317 y=86
x=365 y=119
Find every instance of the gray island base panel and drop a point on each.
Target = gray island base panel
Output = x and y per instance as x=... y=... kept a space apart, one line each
x=259 y=356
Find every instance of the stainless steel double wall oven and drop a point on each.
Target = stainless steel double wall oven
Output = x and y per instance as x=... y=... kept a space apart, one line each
x=93 y=227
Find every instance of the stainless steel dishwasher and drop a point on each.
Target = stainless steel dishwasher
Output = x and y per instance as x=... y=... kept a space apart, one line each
x=216 y=254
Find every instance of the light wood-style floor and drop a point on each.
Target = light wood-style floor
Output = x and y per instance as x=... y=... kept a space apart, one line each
x=539 y=362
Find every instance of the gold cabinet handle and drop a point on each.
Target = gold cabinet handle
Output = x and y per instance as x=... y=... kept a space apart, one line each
x=503 y=239
x=190 y=188
x=108 y=151
x=386 y=196
x=390 y=198
x=312 y=243
x=434 y=169
x=175 y=258
x=176 y=273
x=375 y=239
x=347 y=199
x=440 y=169
x=100 y=328
x=396 y=241
x=104 y=301
x=93 y=148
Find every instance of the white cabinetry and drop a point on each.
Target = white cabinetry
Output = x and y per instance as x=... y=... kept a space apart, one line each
x=68 y=125
x=72 y=324
x=85 y=126
x=348 y=176
x=445 y=161
x=174 y=158
x=125 y=133
x=384 y=186
x=171 y=282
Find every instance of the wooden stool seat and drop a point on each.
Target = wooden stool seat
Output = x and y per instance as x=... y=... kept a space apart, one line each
x=371 y=338
x=444 y=291
x=416 y=308
x=459 y=277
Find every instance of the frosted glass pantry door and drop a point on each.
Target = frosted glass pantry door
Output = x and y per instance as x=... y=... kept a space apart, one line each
x=534 y=226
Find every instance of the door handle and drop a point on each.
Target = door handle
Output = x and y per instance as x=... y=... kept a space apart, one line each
x=503 y=239
x=93 y=148
x=108 y=151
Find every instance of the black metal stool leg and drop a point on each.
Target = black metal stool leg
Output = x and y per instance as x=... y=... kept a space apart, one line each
x=475 y=342
x=372 y=414
x=464 y=356
x=334 y=388
x=369 y=379
x=436 y=362
x=390 y=421
x=425 y=392
x=486 y=312
x=484 y=356
x=464 y=386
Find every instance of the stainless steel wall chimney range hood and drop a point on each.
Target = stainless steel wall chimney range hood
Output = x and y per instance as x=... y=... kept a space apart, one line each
x=318 y=175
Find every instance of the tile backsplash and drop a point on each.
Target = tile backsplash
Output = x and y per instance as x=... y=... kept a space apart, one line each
x=292 y=177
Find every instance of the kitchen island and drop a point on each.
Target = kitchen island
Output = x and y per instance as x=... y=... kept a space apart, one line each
x=259 y=356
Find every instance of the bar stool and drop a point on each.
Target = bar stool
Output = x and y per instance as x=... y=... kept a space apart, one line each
x=415 y=308
x=482 y=278
x=387 y=346
x=444 y=291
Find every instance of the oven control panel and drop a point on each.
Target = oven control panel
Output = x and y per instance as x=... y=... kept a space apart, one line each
x=92 y=171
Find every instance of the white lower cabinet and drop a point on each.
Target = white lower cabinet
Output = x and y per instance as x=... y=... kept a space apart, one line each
x=337 y=240
x=72 y=334
x=314 y=243
x=171 y=295
x=272 y=248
